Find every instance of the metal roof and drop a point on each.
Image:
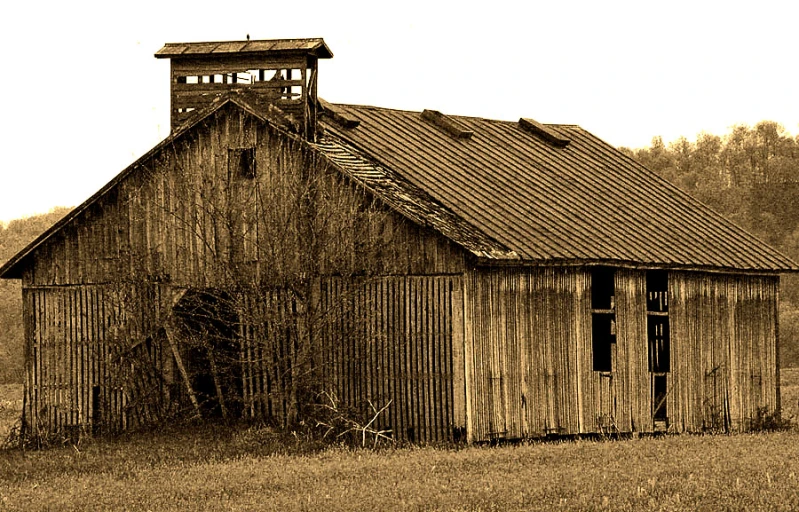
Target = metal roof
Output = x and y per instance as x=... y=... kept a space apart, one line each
x=314 y=46
x=582 y=202
x=409 y=200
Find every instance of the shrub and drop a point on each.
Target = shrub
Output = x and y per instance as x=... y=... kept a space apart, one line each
x=765 y=421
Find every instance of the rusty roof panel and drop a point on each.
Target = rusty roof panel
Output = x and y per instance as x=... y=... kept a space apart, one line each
x=583 y=202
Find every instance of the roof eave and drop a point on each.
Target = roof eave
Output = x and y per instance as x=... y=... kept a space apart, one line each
x=687 y=267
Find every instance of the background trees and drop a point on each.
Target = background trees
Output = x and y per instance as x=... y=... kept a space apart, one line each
x=751 y=176
x=13 y=237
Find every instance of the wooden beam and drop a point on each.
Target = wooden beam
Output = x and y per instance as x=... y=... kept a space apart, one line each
x=337 y=115
x=182 y=369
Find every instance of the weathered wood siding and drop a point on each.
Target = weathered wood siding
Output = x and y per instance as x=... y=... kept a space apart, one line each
x=182 y=218
x=631 y=380
x=401 y=351
x=388 y=341
x=527 y=343
x=77 y=338
x=528 y=353
x=180 y=221
x=291 y=95
x=723 y=350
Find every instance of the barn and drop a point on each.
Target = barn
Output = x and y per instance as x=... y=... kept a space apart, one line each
x=278 y=256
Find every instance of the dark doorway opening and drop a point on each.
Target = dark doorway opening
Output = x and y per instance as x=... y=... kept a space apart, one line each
x=208 y=333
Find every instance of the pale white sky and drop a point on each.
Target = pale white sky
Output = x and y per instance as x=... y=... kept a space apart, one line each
x=84 y=95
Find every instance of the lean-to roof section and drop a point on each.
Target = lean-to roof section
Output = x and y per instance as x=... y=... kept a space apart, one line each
x=585 y=201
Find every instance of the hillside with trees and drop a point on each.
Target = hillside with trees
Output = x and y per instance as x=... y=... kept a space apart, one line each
x=751 y=176
x=14 y=237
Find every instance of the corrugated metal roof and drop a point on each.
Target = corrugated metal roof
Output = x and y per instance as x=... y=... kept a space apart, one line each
x=583 y=202
x=315 y=46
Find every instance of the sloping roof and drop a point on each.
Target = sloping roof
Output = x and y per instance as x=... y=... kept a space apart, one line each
x=508 y=193
x=314 y=46
x=580 y=200
x=409 y=200
x=396 y=192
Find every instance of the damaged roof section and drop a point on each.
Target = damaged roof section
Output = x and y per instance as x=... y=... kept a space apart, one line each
x=409 y=200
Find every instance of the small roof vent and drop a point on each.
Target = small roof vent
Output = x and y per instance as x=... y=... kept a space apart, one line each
x=543 y=132
x=447 y=124
x=338 y=115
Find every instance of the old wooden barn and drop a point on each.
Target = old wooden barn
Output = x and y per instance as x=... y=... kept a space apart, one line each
x=278 y=257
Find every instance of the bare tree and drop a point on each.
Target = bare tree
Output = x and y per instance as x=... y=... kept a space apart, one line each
x=242 y=334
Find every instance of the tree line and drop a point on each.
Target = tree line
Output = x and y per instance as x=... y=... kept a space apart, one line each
x=751 y=176
x=13 y=238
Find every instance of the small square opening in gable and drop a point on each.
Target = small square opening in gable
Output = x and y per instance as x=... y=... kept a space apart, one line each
x=241 y=163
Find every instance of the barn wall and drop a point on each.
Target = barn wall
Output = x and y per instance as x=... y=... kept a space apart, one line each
x=529 y=354
x=724 y=350
x=78 y=338
x=526 y=352
x=186 y=217
x=390 y=342
x=182 y=220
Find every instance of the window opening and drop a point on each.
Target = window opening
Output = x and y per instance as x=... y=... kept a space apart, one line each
x=603 y=288
x=659 y=398
x=657 y=290
x=659 y=350
x=657 y=306
x=604 y=335
x=241 y=163
x=658 y=341
x=603 y=317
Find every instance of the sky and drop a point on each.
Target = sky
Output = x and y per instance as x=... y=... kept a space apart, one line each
x=84 y=96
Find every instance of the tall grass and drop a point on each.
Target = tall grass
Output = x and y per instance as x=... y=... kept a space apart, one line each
x=223 y=468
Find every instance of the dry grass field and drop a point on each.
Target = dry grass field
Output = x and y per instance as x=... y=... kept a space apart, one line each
x=216 y=468
x=10 y=407
x=789 y=380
